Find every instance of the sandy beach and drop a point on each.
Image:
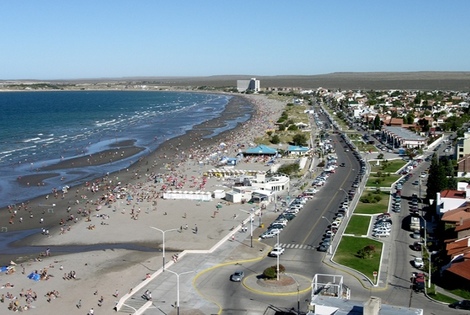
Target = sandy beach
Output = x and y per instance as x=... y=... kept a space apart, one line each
x=121 y=208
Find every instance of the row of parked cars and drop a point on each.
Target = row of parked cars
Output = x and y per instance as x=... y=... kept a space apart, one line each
x=331 y=231
x=287 y=215
x=382 y=226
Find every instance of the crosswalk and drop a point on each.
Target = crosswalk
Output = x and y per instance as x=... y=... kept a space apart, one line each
x=297 y=246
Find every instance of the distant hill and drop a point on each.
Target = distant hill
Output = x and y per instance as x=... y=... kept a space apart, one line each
x=347 y=80
x=340 y=80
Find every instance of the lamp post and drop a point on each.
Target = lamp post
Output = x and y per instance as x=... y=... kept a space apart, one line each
x=178 y=288
x=331 y=230
x=277 y=259
x=425 y=245
x=163 y=245
x=251 y=225
x=347 y=199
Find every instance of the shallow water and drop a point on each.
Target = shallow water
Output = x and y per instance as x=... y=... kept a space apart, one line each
x=43 y=128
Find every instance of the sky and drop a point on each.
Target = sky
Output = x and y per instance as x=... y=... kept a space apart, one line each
x=47 y=40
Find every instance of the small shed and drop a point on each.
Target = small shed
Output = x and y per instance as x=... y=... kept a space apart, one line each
x=295 y=149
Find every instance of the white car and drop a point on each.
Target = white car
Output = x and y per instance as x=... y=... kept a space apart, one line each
x=381 y=229
x=293 y=211
x=277 y=251
x=335 y=224
x=381 y=234
x=330 y=233
x=270 y=233
x=281 y=221
x=418 y=262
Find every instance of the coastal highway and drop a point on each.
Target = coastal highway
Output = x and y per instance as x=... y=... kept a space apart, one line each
x=300 y=238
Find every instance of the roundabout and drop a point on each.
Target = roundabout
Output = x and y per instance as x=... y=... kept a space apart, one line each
x=288 y=284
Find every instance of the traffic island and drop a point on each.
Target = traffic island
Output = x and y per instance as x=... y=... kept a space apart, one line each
x=288 y=284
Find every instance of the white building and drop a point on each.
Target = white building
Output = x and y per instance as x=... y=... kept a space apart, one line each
x=248 y=85
x=258 y=188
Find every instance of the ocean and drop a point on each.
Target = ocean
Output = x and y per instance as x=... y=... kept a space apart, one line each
x=42 y=128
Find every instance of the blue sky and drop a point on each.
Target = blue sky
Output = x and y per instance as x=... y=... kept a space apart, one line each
x=113 y=38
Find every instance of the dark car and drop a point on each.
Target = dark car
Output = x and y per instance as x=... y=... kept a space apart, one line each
x=416 y=246
x=464 y=305
x=322 y=248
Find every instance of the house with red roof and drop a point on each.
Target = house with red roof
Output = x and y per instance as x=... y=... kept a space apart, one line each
x=451 y=199
x=458 y=248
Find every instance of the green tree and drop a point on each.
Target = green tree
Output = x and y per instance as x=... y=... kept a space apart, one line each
x=377 y=122
x=437 y=180
x=271 y=272
x=367 y=252
x=275 y=139
x=289 y=169
x=299 y=139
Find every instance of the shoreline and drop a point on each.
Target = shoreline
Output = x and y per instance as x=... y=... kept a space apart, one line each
x=52 y=207
x=98 y=220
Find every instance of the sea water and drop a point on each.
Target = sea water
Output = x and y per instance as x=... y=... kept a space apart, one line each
x=43 y=128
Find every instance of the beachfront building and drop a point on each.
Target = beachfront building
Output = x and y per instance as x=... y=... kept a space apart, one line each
x=257 y=188
x=251 y=85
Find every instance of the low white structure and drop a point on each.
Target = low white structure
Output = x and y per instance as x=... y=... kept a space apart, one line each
x=239 y=194
x=188 y=195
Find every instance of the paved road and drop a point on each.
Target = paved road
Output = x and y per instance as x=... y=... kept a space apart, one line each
x=211 y=291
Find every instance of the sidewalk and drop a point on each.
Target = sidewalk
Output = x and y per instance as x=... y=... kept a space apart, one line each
x=163 y=285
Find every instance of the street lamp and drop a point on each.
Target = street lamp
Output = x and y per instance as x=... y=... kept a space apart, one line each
x=425 y=234
x=425 y=245
x=277 y=259
x=163 y=233
x=347 y=200
x=178 y=288
x=251 y=225
x=331 y=231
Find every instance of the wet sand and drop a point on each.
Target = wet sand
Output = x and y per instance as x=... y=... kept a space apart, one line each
x=199 y=225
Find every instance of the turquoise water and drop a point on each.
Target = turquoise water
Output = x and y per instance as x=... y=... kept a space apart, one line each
x=41 y=128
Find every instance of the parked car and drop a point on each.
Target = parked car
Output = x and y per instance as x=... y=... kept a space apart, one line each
x=329 y=233
x=382 y=229
x=383 y=224
x=277 y=226
x=287 y=216
x=282 y=222
x=464 y=305
x=237 y=276
x=381 y=234
x=418 y=262
x=270 y=233
x=322 y=248
x=335 y=224
x=419 y=281
x=416 y=246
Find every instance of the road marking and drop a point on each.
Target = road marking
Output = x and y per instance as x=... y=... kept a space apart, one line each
x=297 y=246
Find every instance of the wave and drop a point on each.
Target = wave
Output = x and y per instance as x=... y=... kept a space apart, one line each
x=31 y=139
